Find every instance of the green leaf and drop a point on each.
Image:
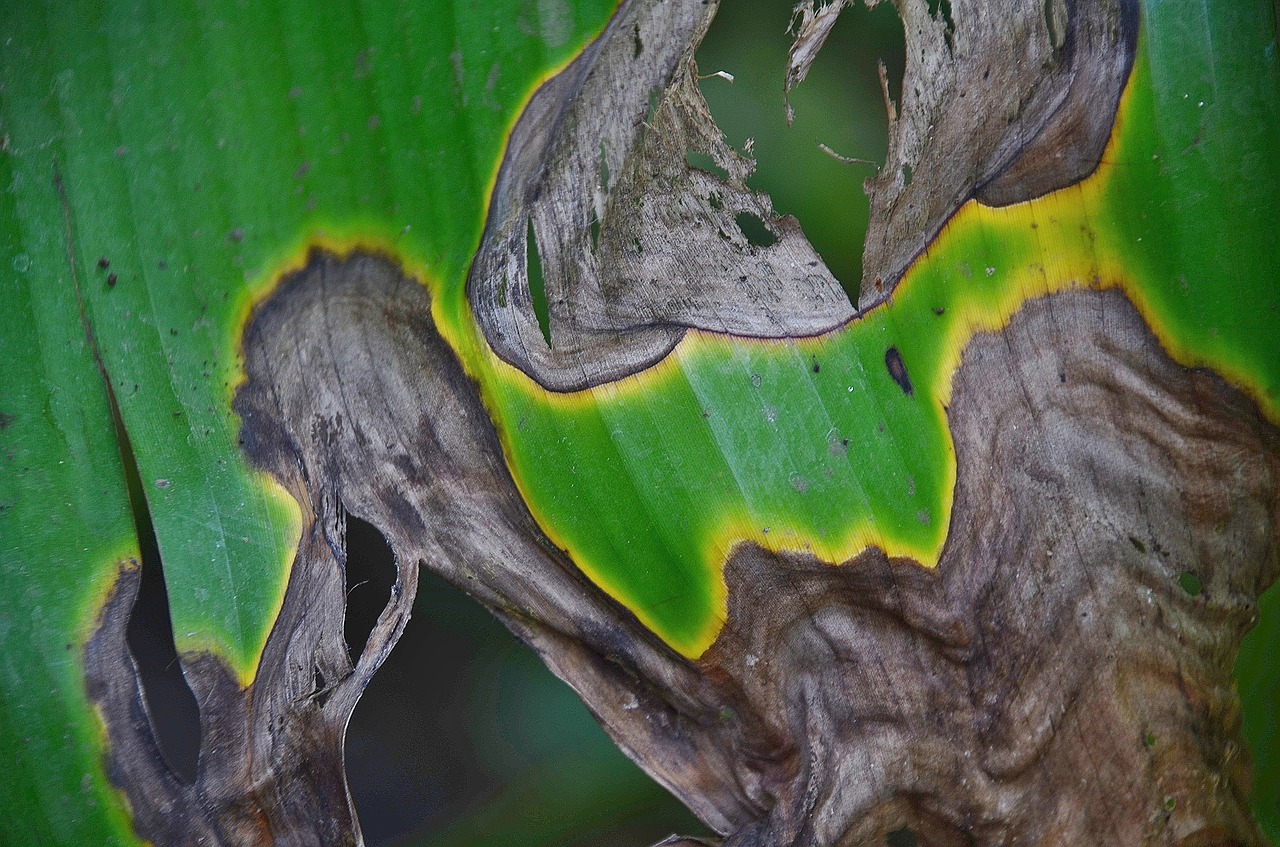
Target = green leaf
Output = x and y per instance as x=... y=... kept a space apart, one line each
x=163 y=163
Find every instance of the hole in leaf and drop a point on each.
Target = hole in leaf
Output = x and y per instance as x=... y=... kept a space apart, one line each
x=537 y=286
x=901 y=838
x=320 y=688
x=703 y=162
x=839 y=105
x=1190 y=583
x=371 y=574
x=175 y=717
x=906 y=175
x=941 y=10
x=463 y=735
x=755 y=230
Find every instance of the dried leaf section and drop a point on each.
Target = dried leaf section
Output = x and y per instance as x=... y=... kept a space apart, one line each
x=636 y=244
x=1001 y=102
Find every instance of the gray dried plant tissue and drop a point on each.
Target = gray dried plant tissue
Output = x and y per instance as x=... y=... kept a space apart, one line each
x=1048 y=683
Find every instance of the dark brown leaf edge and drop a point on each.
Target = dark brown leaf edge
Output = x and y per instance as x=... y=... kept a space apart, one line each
x=1050 y=682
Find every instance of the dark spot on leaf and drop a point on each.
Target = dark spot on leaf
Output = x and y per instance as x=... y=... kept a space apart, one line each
x=817 y=368
x=111 y=280
x=1137 y=545
x=362 y=64
x=103 y=263
x=162 y=483
x=236 y=235
x=898 y=370
x=939 y=310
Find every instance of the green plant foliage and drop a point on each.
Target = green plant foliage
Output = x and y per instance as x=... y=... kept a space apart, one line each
x=162 y=163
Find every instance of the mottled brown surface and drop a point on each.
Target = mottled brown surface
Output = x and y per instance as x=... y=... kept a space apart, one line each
x=1048 y=683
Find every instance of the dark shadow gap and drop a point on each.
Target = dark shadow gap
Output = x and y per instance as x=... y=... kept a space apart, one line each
x=840 y=105
x=901 y=838
x=537 y=284
x=175 y=717
x=465 y=738
x=371 y=573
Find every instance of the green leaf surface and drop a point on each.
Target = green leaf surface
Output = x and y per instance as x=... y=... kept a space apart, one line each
x=65 y=529
x=200 y=148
